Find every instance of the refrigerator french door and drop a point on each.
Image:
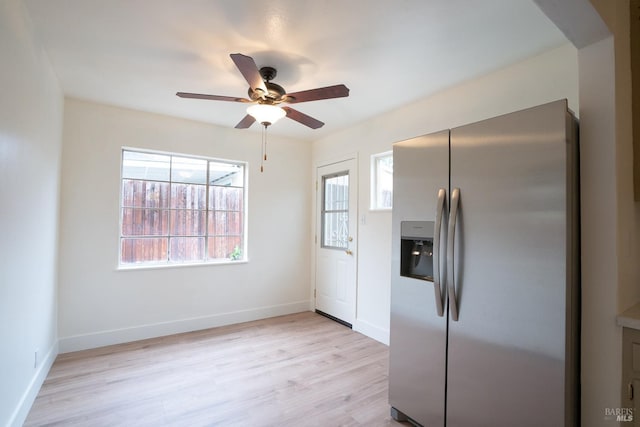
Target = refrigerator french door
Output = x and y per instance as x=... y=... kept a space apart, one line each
x=484 y=290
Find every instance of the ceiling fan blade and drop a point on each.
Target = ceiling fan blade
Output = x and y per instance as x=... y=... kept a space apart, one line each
x=337 y=91
x=249 y=70
x=211 y=97
x=303 y=118
x=245 y=122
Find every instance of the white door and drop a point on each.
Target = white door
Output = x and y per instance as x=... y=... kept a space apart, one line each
x=336 y=231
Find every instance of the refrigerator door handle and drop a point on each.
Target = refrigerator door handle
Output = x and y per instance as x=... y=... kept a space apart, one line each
x=451 y=238
x=437 y=230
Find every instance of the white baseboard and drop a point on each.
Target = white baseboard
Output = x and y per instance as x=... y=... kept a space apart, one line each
x=26 y=401
x=372 y=331
x=118 y=336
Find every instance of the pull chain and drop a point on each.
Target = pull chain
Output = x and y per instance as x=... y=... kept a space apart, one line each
x=265 y=143
x=262 y=143
x=264 y=147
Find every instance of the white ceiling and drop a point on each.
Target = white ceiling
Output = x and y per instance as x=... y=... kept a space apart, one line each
x=139 y=53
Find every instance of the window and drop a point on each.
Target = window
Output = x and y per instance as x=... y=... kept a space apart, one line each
x=178 y=209
x=382 y=181
x=335 y=210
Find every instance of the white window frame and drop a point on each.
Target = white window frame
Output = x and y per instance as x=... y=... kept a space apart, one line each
x=374 y=205
x=206 y=261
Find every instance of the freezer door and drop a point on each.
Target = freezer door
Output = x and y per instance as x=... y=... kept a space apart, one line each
x=417 y=365
x=510 y=356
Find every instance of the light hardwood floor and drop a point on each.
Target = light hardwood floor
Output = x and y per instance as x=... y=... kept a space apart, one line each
x=296 y=370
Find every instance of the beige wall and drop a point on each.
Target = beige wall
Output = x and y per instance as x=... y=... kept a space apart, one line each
x=602 y=347
x=30 y=145
x=100 y=304
x=601 y=337
x=616 y=16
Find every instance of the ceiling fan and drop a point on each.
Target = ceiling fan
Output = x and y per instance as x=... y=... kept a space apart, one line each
x=265 y=96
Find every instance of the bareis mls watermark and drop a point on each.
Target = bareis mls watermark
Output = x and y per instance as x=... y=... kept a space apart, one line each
x=618 y=414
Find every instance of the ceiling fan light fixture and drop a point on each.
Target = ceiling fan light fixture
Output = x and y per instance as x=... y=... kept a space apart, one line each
x=266 y=114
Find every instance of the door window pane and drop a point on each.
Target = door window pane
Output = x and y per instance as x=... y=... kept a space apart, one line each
x=336 y=230
x=335 y=210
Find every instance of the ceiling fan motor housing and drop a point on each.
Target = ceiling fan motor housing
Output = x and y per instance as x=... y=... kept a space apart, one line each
x=268 y=73
x=275 y=93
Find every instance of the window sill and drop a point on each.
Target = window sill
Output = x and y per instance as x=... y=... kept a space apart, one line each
x=182 y=265
x=380 y=209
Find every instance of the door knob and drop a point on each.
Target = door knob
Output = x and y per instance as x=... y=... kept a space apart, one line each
x=348 y=252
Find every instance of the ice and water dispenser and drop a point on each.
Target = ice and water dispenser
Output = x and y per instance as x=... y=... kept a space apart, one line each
x=416 y=249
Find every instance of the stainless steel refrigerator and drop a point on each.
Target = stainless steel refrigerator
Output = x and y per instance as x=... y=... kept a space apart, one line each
x=485 y=273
